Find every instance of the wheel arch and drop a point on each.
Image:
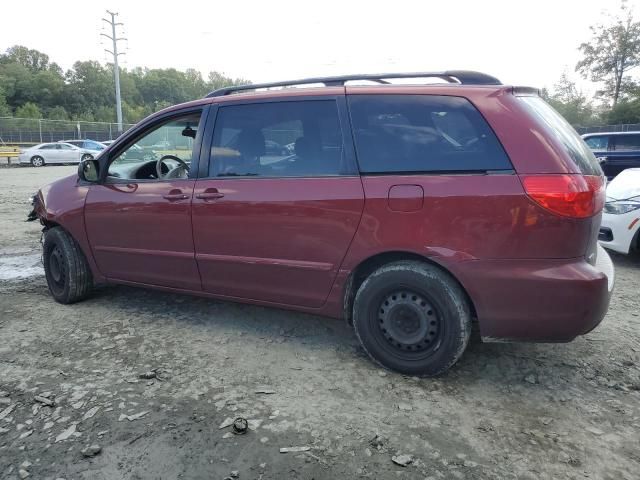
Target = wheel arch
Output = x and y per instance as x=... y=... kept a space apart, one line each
x=370 y=264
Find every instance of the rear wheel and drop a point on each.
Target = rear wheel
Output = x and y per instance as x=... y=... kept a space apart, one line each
x=37 y=161
x=65 y=267
x=413 y=318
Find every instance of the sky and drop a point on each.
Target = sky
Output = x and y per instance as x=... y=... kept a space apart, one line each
x=525 y=43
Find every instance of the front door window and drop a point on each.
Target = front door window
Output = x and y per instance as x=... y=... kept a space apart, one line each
x=164 y=153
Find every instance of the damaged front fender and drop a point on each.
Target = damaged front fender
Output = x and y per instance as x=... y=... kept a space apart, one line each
x=37 y=208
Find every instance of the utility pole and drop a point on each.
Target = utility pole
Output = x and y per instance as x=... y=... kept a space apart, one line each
x=116 y=70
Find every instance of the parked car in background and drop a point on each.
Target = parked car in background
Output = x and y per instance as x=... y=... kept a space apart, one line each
x=408 y=210
x=54 y=153
x=91 y=145
x=616 y=151
x=621 y=214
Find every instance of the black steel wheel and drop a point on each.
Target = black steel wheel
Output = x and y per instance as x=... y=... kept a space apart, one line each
x=409 y=321
x=68 y=275
x=412 y=317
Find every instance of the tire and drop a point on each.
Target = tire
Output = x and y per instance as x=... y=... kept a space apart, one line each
x=68 y=275
x=37 y=161
x=413 y=318
x=86 y=156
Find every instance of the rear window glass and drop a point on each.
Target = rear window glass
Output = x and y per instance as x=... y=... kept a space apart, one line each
x=423 y=133
x=558 y=126
x=628 y=142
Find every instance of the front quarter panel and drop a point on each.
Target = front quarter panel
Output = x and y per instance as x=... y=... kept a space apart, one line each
x=62 y=203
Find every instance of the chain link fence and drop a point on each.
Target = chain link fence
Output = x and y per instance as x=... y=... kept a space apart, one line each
x=30 y=131
x=627 y=127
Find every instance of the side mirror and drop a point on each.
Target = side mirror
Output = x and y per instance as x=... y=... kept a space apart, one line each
x=89 y=170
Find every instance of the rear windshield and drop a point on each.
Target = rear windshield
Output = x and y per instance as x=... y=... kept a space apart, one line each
x=574 y=145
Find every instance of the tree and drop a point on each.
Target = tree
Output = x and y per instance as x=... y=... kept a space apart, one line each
x=5 y=111
x=34 y=60
x=218 y=80
x=30 y=82
x=57 y=113
x=571 y=103
x=626 y=111
x=28 y=110
x=611 y=53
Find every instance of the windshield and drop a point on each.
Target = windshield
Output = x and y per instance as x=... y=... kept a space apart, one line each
x=574 y=145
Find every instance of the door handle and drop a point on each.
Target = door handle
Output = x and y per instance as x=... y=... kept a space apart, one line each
x=175 y=195
x=210 y=194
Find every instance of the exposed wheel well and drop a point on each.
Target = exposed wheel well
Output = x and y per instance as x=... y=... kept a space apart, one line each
x=371 y=264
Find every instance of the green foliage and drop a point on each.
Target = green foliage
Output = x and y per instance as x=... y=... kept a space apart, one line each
x=28 y=110
x=86 y=92
x=612 y=52
x=57 y=113
x=626 y=111
x=571 y=103
x=5 y=111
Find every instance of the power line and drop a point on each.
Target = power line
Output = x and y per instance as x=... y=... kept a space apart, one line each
x=116 y=70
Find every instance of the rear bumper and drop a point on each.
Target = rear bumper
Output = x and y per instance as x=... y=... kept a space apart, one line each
x=538 y=300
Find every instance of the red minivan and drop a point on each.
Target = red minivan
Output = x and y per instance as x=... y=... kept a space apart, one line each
x=409 y=210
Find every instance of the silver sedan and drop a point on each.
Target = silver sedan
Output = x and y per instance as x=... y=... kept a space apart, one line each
x=52 y=153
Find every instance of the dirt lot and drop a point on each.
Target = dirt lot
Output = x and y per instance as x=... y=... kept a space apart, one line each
x=505 y=411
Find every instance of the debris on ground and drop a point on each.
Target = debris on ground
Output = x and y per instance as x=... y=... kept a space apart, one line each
x=90 y=413
x=67 y=433
x=240 y=426
x=531 y=379
x=131 y=418
x=7 y=411
x=149 y=375
x=377 y=442
x=402 y=460
x=226 y=423
x=45 y=401
x=294 y=449
x=91 y=451
x=265 y=391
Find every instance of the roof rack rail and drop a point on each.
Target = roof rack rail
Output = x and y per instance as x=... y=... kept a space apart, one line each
x=464 y=77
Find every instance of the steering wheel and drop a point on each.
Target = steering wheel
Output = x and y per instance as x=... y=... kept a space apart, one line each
x=181 y=162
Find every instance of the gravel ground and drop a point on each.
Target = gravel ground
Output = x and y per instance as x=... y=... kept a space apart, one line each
x=516 y=411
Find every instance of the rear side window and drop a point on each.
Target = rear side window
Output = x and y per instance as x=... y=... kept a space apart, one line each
x=627 y=142
x=279 y=139
x=423 y=133
x=600 y=142
x=560 y=128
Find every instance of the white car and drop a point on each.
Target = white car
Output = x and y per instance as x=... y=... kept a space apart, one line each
x=621 y=215
x=51 y=153
x=94 y=147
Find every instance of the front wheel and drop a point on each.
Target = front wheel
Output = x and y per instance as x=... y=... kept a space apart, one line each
x=413 y=318
x=86 y=156
x=65 y=266
x=37 y=161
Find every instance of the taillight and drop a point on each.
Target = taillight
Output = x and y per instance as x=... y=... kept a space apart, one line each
x=576 y=196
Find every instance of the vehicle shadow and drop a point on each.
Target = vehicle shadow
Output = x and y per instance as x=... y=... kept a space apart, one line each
x=502 y=363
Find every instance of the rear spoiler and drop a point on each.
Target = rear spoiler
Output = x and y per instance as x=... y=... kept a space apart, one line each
x=526 y=91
